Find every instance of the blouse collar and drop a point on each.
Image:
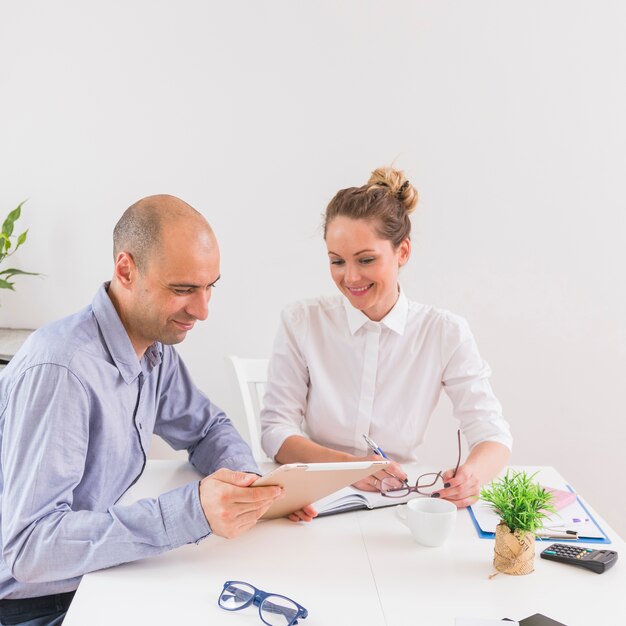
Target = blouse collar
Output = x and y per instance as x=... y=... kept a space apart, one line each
x=394 y=320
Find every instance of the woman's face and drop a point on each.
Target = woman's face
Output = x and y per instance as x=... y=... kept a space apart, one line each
x=363 y=266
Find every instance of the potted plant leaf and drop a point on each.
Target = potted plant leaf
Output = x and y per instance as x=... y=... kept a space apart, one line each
x=6 y=243
x=522 y=506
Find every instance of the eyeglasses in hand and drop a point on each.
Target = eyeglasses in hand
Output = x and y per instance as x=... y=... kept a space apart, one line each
x=274 y=609
x=426 y=484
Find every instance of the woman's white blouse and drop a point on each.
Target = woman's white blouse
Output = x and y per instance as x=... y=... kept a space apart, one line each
x=335 y=374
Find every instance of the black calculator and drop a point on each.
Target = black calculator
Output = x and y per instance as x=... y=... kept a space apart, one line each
x=597 y=561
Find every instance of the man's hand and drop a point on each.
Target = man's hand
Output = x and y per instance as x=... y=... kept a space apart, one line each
x=230 y=505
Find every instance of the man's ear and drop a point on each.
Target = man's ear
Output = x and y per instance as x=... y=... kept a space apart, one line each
x=125 y=269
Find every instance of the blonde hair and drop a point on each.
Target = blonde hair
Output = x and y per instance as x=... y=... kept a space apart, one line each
x=387 y=200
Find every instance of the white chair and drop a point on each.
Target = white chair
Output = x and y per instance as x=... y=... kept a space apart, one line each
x=252 y=376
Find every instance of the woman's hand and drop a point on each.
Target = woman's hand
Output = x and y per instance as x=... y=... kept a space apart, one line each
x=305 y=514
x=462 y=489
x=372 y=483
x=483 y=463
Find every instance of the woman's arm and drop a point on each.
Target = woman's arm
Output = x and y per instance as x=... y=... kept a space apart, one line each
x=466 y=381
x=297 y=449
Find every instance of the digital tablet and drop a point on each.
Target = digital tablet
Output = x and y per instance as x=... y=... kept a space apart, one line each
x=304 y=483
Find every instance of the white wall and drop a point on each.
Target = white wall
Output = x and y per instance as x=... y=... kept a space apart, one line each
x=508 y=116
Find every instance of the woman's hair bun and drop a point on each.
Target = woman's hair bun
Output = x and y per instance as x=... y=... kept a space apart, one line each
x=397 y=184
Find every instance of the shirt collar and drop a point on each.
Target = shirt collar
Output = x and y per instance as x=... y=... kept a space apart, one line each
x=117 y=340
x=394 y=320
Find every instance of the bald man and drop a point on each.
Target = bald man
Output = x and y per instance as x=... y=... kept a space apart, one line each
x=78 y=406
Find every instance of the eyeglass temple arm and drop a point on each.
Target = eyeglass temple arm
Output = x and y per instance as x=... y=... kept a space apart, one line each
x=458 y=462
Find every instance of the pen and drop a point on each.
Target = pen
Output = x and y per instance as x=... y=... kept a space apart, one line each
x=565 y=534
x=374 y=447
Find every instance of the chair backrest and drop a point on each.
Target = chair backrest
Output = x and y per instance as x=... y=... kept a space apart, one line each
x=252 y=376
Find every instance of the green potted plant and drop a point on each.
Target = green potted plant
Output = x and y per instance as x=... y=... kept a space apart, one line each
x=7 y=248
x=522 y=506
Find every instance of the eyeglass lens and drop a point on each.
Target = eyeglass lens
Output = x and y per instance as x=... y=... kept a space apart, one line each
x=278 y=611
x=235 y=596
x=429 y=483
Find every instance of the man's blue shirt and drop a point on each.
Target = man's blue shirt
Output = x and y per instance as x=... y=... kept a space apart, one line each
x=77 y=412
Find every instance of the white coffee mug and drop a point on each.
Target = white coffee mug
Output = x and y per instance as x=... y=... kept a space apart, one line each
x=430 y=520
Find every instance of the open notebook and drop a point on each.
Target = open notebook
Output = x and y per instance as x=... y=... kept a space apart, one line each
x=350 y=499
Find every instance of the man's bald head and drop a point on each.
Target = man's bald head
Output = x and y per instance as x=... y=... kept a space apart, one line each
x=140 y=229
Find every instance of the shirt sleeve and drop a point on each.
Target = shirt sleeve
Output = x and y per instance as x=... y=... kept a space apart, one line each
x=285 y=400
x=44 y=450
x=466 y=381
x=187 y=419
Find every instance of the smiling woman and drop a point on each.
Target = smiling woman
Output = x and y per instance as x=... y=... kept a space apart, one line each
x=372 y=362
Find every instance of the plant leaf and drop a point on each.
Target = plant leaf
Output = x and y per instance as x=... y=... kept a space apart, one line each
x=14 y=215
x=14 y=272
x=21 y=239
x=5 y=284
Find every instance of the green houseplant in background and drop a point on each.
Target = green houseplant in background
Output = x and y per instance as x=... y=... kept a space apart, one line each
x=7 y=247
x=522 y=506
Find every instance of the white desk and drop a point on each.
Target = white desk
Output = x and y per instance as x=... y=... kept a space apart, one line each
x=354 y=568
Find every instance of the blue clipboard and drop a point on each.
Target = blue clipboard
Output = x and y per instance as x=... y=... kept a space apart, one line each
x=604 y=539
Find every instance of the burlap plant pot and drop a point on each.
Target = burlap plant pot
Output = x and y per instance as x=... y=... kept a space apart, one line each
x=514 y=552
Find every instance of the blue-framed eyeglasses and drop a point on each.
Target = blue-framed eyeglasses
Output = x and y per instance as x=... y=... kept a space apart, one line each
x=274 y=609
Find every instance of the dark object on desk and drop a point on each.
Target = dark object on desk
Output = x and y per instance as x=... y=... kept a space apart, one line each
x=597 y=561
x=539 y=620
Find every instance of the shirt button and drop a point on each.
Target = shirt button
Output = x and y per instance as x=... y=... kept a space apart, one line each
x=140 y=427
